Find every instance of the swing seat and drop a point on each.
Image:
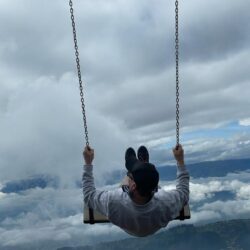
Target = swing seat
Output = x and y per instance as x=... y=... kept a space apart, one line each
x=92 y=216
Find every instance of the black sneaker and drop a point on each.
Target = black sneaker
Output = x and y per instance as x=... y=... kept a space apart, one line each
x=143 y=154
x=130 y=158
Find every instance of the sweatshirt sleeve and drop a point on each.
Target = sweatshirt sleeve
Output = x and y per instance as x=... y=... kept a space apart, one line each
x=177 y=198
x=95 y=199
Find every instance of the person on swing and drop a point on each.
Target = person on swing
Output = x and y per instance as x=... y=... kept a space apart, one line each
x=140 y=209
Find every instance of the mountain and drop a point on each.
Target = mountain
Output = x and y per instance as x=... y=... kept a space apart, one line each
x=222 y=235
x=197 y=170
x=38 y=181
x=167 y=173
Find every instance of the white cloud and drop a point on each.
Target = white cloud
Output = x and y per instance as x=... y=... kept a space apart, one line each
x=1 y=195
x=49 y=217
x=245 y=122
x=216 y=148
x=203 y=211
x=244 y=192
x=204 y=188
x=205 y=216
x=229 y=209
x=54 y=216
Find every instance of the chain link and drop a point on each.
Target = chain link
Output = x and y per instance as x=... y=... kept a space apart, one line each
x=79 y=73
x=177 y=72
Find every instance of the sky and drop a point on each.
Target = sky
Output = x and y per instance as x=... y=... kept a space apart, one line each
x=128 y=69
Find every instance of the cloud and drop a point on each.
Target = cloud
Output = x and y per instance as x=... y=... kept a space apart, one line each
x=127 y=59
x=53 y=217
x=244 y=193
x=234 y=147
x=231 y=182
x=245 y=122
x=60 y=231
x=221 y=209
x=207 y=207
x=203 y=188
x=228 y=209
x=211 y=34
x=49 y=136
x=204 y=216
x=214 y=144
x=1 y=195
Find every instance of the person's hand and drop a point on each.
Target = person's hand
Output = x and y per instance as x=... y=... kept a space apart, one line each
x=88 y=155
x=179 y=155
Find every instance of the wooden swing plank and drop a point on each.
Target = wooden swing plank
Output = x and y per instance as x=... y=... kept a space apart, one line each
x=99 y=218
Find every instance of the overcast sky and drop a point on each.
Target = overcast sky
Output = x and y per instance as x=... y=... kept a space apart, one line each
x=128 y=67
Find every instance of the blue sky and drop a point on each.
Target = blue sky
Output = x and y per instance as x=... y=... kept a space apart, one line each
x=226 y=131
x=128 y=67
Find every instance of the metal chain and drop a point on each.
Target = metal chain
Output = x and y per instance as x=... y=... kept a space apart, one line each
x=177 y=73
x=79 y=73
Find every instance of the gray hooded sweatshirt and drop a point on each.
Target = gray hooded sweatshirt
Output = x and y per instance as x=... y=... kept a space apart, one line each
x=137 y=220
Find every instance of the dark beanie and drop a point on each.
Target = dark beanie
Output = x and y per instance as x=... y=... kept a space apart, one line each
x=145 y=176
